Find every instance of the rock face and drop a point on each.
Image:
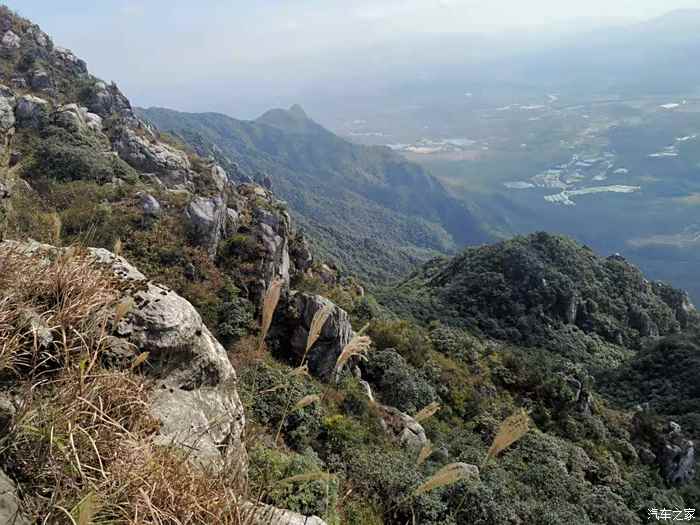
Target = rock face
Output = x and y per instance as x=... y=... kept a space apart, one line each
x=298 y=313
x=149 y=155
x=207 y=217
x=31 y=111
x=77 y=119
x=9 y=503
x=676 y=457
x=402 y=428
x=196 y=398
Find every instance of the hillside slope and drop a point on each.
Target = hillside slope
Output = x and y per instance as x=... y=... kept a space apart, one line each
x=129 y=369
x=367 y=207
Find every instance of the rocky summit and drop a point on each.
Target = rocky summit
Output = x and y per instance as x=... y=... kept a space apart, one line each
x=175 y=348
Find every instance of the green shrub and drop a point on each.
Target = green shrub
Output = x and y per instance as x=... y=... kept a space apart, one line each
x=269 y=467
x=398 y=383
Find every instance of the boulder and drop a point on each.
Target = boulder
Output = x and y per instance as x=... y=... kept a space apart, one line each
x=40 y=80
x=196 y=399
x=273 y=229
x=337 y=332
x=31 y=111
x=402 y=428
x=106 y=101
x=10 y=40
x=67 y=60
x=261 y=514
x=7 y=114
x=300 y=254
x=147 y=154
x=77 y=119
x=9 y=502
x=218 y=175
x=207 y=218
x=676 y=456
x=150 y=205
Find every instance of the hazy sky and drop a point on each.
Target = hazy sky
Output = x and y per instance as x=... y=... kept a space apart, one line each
x=241 y=56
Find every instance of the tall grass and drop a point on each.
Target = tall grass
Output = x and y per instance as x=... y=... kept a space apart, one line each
x=82 y=443
x=272 y=297
x=511 y=430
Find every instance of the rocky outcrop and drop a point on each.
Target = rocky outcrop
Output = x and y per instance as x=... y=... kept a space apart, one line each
x=195 y=399
x=292 y=329
x=9 y=502
x=148 y=154
x=10 y=40
x=207 y=219
x=402 y=428
x=77 y=119
x=262 y=514
x=31 y=111
x=676 y=456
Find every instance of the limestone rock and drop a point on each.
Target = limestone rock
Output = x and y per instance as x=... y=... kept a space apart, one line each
x=262 y=514
x=150 y=205
x=294 y=329
x=9 y=502
x=10 y=40
x=77 y=119
x=149 y=155
x=7 y=114
x=31 y=111
x=402 y=428
x=207 y=217
x=65 y=58
x=40 y=80
x=676 y=456
x=273 y=230
x=197 y=401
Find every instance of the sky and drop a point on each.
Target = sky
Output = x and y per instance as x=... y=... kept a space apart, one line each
x=240 y=57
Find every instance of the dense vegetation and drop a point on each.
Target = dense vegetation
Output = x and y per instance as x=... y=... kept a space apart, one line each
x=530 y=326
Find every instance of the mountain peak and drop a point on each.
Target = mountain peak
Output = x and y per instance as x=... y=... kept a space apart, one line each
x=294 y=120
x=297 y=111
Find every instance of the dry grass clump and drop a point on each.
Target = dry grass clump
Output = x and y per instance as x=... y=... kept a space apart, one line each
x=357 y=347
x=448 y=475
x=427 y=412
x=317 y=324
x=82 y=443
x=272 y=297
x=49 y=309
x=511 y=430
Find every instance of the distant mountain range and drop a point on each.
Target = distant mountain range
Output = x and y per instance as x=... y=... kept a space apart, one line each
x=367 y=207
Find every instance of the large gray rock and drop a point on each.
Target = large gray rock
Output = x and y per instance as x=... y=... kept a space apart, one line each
x=67 y=60
x=196 y=401
x=9 y=503
x=148 y=154
x=7 y=114
x=40 y=80
x=31 y=111
x=207 y=218
x=262 y=514
x=676 y=456
x=77 y=119
x=10 y=40
x=402 y=428
x=273 y=229
x=399 y=426
x=150 y=205
x=294 y=329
